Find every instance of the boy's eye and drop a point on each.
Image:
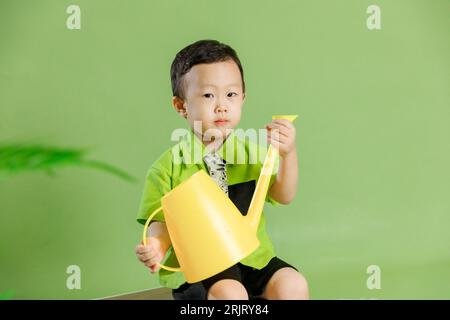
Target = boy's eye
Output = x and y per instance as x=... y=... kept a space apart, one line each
x=232 y=94
x=208 y=95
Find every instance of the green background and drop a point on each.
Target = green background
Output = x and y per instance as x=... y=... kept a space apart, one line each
x=372 y=136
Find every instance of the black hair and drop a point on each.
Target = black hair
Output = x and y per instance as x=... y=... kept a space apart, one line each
x=202 y=51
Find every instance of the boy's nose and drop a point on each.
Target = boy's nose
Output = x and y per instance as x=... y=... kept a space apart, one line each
x=221 y=108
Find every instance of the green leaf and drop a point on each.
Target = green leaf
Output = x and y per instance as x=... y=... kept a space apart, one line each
x=20 y=158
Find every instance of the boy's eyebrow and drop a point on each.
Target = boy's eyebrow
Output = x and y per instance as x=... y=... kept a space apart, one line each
x=228 y=85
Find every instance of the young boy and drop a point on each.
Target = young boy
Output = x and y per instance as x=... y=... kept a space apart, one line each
x=209 y=91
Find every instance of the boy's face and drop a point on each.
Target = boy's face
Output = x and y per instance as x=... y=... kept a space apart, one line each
x=213 y=95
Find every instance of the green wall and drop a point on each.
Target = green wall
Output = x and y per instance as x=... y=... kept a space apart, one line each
x=373 y=136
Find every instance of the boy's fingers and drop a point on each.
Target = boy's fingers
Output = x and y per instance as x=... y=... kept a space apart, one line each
x=153 y=243
x=149 y=255
x=145 y=257
x=277 y=133
x=281 y=130
x=154 y=264
x=140 y=250
x=274 y=142
x=139 y=247
x=143 y=249
x=149 y=262
x=285 y=123
x=279 y=140
x=281 y=127
x=152 y=261
x=277 y=143
x=154 y=268
x=149 y=250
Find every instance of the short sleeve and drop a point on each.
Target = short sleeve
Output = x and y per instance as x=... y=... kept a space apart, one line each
x=158 y=182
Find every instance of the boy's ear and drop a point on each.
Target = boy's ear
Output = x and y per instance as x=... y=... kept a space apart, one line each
x=178 y=104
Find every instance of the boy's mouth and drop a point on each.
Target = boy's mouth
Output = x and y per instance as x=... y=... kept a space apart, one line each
x=221 y=122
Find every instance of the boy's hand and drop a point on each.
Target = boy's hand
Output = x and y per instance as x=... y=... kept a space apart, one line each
x=284 y=139
x=151 y=254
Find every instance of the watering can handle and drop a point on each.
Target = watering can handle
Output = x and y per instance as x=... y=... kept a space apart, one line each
x=144 y=239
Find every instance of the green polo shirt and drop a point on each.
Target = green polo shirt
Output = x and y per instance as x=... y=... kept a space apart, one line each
x=244 y=160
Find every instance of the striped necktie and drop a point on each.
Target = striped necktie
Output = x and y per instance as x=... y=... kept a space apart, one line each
x=217 y=170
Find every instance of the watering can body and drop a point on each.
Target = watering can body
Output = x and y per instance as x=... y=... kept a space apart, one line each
x=208 y=232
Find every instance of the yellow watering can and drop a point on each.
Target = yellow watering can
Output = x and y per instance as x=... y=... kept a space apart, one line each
x=207 y=231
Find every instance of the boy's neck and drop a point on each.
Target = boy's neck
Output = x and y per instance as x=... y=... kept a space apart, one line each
x=213 y=144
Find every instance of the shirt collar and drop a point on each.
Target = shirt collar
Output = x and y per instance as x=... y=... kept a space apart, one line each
x=193 y=150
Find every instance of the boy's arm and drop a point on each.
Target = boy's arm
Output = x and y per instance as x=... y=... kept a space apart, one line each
x=281 y=134
x=159 y=230
x=158 y=182
x=284 y=188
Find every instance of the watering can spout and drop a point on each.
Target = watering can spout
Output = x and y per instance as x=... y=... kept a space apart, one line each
x=256 y=205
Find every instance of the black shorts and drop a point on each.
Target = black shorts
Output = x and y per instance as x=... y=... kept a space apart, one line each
x=254 y=280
